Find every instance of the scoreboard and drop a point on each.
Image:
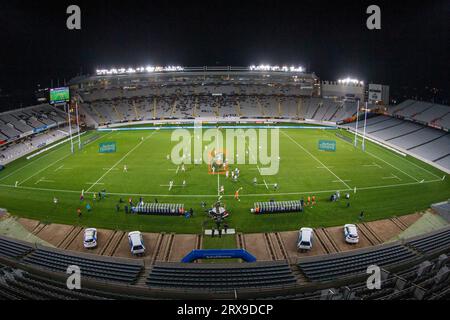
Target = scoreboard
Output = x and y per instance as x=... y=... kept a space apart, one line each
x=59 y=95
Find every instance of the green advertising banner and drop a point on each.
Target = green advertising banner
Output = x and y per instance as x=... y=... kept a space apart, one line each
x=107 y=147
x=327 y=145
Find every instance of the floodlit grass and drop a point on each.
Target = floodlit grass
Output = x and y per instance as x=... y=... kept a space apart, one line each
x=387 y=184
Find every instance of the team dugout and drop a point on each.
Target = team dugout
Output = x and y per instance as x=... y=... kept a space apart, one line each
x=277 y=207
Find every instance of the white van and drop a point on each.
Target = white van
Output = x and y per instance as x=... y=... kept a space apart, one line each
x=305 y=239
x=136 y=243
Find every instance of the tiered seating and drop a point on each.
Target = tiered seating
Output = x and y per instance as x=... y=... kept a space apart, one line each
x=90 y=267
x=13 y=249
x=402 y=129
x=334 y=266
x=220 y=277
x=17 y=284
x=430 y=243
x=416 y=138
x=277 y=207
x=435 y=149
x=163 y=209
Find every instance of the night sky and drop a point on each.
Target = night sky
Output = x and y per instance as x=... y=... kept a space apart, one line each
x=329 y=38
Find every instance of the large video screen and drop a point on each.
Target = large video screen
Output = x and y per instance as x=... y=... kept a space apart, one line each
x=59 y=95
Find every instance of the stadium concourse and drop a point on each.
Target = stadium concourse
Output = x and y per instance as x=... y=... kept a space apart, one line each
x=408 y=150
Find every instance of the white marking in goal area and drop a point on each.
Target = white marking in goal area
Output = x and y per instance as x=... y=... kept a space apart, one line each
x=53 y=163
x=44 y=180
x=390 y=164
x=214 y=196
x=373 y=165
x=315 y=158
x=393 y=176
x=40 y=158
x=118 y=162
x=384 y=149
x=405 y=159
x=50 y=165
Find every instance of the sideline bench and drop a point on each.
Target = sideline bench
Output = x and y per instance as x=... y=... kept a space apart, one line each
x=277 y=207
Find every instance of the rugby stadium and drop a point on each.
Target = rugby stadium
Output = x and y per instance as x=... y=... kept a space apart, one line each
x=212 y=179
x=127 y=161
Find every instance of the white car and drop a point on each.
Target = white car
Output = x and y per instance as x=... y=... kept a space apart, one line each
x=90 y=238
x=351 y=234
x=136 y=243
x=305 y=239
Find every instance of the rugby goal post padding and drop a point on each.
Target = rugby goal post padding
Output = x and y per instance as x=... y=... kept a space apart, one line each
x=219 y=254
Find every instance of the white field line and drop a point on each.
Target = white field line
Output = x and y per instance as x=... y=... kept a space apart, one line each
x=325 y=167
x=50 y=165
x=43 y=157
x=266 y=185
x=376 y=157
x=32 y=162
x=89 y=183
x=315 y=158
x=45 y=180
x=59 y=168
x=403 y=158
x=118 y=162
x=390 y=164
x=373 y=165
x=393 y=176
x=178 y=169
x=334 y=181
x=214 y=196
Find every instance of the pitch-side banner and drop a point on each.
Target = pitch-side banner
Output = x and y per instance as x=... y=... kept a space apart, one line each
x=107 y=147
x=327 y=145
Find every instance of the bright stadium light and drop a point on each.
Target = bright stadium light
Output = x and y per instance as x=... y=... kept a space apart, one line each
x=266 y=67
x=148 y=69
x=349 y=80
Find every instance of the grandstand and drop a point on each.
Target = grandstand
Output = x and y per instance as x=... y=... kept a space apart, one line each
x=413 y=127
x=419 y=129
x=418 y=268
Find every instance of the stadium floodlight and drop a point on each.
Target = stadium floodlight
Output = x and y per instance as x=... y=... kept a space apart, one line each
x=349 y=80
x=266 y=67
x=148 y=69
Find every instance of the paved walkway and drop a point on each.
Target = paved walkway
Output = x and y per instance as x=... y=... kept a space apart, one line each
x=10 y=227
x=427 y=223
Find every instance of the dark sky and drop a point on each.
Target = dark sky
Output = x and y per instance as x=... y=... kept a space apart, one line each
x=329 y=38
